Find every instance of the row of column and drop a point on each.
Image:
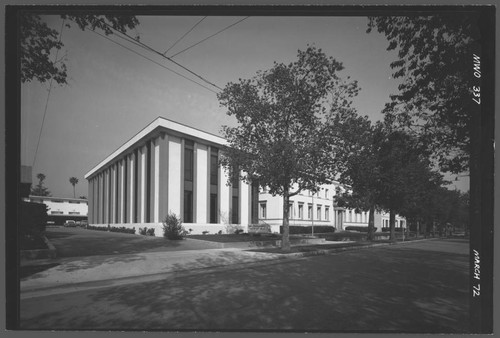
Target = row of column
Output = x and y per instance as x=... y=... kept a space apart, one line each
x=146 y=184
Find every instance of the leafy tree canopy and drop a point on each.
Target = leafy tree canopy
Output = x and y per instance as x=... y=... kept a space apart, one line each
x=284 y=135
x=40 y=189
x=38 y=41
x=434 y=64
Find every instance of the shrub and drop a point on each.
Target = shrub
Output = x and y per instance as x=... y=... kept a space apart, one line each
x=112 y=229
x=296 y=229
x=359 y=228
x=172 y=227
x=205 y=232
x=233 y=228
x=147 y=232
x=387 y=229
x=238 y=231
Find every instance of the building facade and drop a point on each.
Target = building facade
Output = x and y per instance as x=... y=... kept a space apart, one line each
x=317 y=209
x=60 y=210
x=169 y=168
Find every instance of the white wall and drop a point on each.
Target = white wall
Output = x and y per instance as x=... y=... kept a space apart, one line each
x=174 y=175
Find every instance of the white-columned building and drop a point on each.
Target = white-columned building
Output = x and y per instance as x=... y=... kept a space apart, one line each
x=166 y=168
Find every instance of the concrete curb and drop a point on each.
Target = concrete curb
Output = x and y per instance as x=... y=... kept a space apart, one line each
x=259 y=244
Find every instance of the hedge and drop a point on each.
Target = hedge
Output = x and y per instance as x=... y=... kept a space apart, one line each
x=358 y=228
x=112 y=229
x=296 y=229
x=387 y=229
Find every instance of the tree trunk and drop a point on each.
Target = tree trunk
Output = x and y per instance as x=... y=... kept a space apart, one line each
x=418 y=229
x=392 y=225
x=285 y=238
x=371 y=223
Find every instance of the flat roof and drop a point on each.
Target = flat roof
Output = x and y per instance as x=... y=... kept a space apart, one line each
x=158 y=123
x=58 y=198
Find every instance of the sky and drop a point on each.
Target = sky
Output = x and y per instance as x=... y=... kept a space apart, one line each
x=113 y=93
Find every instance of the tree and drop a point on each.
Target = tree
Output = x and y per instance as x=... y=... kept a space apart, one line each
x=359 y=169
x=405 y=168
x=73 y=181
x=434 y=64
x=284 y=137
x=39 y=189
x=38 y=41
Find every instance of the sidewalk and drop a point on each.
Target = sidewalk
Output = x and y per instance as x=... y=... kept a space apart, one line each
x=72 y=274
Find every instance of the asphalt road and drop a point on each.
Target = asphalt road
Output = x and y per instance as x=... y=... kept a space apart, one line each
x=416 y=287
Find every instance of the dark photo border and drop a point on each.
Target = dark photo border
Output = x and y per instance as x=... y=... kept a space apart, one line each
x=482 y=135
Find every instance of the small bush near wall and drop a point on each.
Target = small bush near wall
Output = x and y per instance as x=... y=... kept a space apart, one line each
x=172 y=227
x=358 y=228
x=112 y=229
x=33 y=219
x=147 y=232
x=294 y=229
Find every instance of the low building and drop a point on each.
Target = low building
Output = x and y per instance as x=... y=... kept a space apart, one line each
x=166 y=168
x=60 y=209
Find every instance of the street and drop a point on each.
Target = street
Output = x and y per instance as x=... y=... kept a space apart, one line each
x=412 y=287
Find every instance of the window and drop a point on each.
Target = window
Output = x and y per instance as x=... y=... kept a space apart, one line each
x=301 y=211
x=188 y=181
x=235 y=190
x=290 y=210
x=318 y=209
x=263 y=210
x=326 y=193
x=188 y=206
x=214 y=165
x=214 y=184
x=309 y=211
x=234 y=211
x=188 y=160
x=74 y=213
x=327 y=213
x=74 y=202
x=56 y=212
x=213 y=208
x=57 y=201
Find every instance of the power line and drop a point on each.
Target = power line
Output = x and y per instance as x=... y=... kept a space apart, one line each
x=151 y=49
x=182 y=37
x=149 y=59
x=208 y=37
x=47 y=101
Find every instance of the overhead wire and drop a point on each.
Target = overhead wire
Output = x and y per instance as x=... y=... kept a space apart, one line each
x=155 y=62
x=208 y=37
x=182 y=37
x=151 y=49
x=47 y=100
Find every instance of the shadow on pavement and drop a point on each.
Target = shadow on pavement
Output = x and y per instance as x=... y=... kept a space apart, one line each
x=378 y=290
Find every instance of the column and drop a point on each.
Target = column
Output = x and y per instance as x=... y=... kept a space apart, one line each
x=142 y=185
x=174 y=176
x=163 y=162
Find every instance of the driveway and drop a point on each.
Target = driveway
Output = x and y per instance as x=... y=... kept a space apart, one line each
x=78 y=242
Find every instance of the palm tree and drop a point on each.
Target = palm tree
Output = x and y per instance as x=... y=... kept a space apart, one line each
x=73 y=181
